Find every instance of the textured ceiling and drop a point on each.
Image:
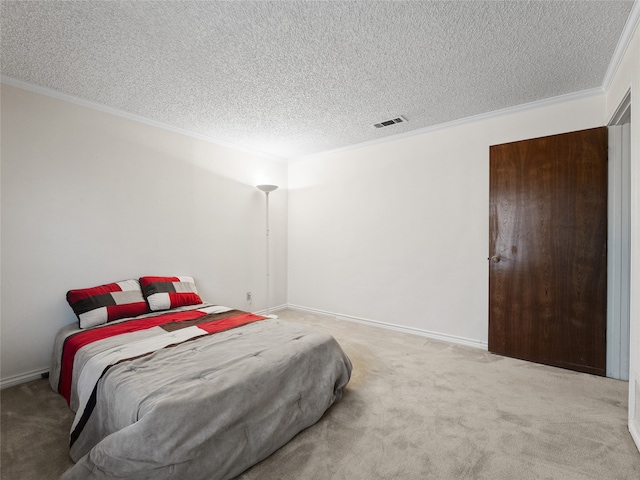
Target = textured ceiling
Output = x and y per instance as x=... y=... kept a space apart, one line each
x=294 y=78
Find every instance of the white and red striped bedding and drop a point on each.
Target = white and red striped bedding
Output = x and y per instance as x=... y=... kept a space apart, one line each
x=138 y=384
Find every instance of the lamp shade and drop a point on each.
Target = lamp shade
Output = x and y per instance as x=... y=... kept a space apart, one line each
x=266 y=188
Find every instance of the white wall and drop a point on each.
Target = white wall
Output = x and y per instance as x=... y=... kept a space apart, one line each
x=91 y=198
x=398 y=232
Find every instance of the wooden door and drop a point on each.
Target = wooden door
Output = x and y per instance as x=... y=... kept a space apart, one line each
x=548 y=236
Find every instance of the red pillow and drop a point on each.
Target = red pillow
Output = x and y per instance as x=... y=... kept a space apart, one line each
x=163 y=293
x=98 y=305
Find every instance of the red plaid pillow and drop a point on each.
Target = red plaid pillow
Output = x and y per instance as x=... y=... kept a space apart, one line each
x=163 y=293
x=98 y=305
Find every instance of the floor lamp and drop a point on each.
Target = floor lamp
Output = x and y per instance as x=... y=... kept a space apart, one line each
x=267 y=189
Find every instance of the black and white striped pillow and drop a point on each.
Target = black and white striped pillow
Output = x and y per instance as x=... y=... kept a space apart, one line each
x=163 y=293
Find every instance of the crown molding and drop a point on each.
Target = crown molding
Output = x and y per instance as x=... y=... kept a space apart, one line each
x=593 y=92
x=391 y=138
x=628 y=32
x=14 y=82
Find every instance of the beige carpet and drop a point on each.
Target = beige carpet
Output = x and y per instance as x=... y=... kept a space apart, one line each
x=414 y=409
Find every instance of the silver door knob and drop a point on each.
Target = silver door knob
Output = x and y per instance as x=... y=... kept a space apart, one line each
x=495 y=259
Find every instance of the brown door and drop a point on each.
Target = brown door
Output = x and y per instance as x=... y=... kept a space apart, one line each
x=548 y=235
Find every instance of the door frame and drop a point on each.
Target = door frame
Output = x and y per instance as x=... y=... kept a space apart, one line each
x=633 y=422
x=619 y=241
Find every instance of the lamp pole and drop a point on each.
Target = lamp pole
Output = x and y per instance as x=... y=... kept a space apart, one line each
x=267 y=189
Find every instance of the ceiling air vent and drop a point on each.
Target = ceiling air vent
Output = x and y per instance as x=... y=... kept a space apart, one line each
x=393 y=121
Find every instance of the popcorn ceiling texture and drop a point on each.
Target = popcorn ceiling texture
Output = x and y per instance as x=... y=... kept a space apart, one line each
x=295 y=78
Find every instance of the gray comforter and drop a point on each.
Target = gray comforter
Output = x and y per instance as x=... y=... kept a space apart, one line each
x=211 y=407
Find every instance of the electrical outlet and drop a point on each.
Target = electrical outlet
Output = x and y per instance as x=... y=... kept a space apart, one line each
x=249 y=297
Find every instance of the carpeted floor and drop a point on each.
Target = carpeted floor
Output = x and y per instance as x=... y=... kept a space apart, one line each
x=415 y=409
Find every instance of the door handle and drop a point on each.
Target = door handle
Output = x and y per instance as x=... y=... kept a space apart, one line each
x=495 y=259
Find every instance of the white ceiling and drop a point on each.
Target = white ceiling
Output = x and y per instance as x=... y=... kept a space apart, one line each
x=293 y=78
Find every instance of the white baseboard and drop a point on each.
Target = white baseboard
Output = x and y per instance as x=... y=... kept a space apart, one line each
x=36 y=374
x=399 y=328
x=634 y=409
x=271 y=309
x=22 y=378
x=635 y=434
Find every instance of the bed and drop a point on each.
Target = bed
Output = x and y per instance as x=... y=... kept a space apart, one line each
x=196 y=391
